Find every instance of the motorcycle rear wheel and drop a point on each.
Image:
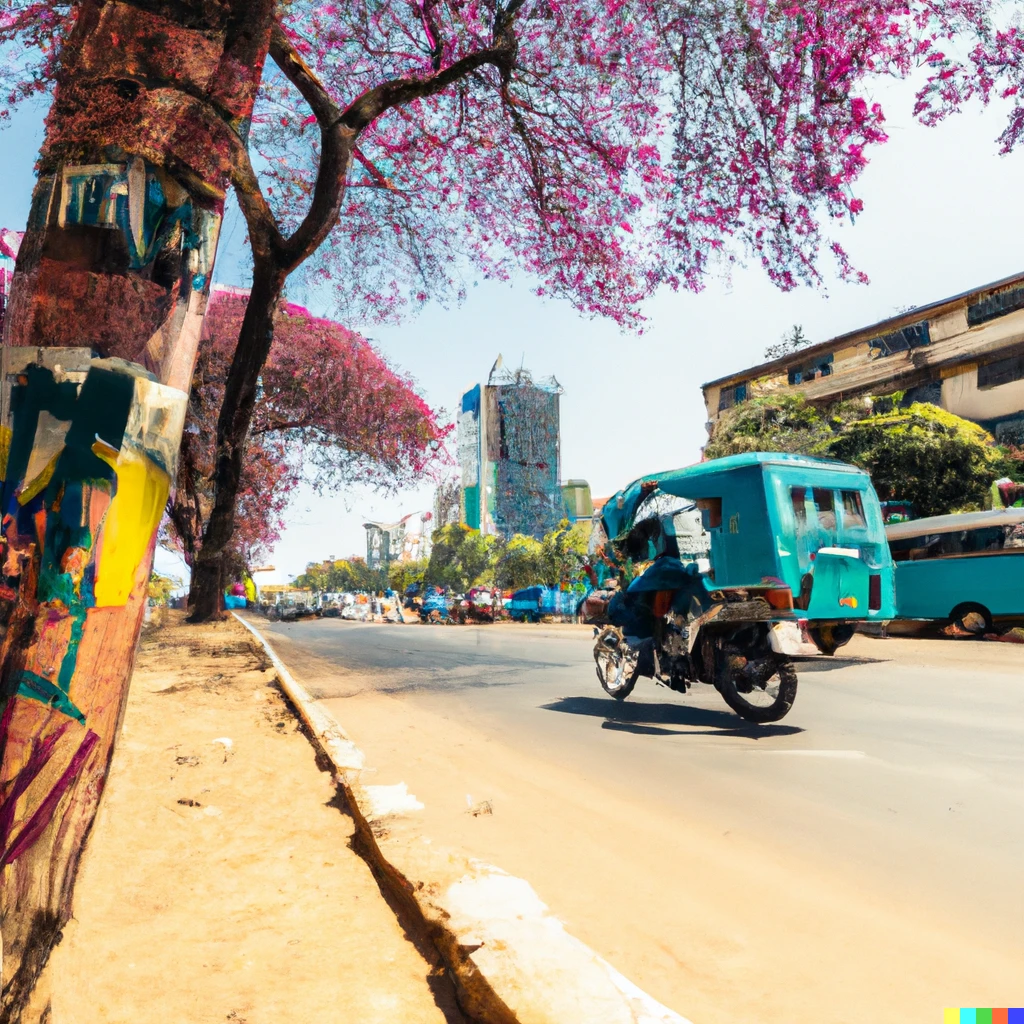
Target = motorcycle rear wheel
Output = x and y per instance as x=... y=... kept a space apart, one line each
x=759 y=704
x=618 y=665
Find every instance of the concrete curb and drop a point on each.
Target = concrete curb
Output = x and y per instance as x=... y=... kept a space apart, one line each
x=511 y=959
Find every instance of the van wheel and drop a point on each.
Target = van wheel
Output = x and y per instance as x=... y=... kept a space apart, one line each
x=972 y=618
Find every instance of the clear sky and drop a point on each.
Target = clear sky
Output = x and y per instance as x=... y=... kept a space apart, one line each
x=943 y=213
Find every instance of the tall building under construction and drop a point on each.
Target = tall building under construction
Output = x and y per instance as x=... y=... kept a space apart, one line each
x=508 y=444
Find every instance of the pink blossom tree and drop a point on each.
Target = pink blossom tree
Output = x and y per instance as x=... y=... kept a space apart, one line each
x=330 y=410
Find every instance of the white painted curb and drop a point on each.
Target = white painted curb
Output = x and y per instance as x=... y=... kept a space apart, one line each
x=512 y=960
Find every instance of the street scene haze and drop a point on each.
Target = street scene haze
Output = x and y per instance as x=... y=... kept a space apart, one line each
x=512 y=512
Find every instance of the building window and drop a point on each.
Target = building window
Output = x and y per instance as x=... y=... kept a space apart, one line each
x=728 y=397
x=1002 y=371
x=821 y=367
x=994 y=306
x=914 y=336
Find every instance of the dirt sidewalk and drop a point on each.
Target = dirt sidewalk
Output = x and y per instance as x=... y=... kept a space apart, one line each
x=218 y=884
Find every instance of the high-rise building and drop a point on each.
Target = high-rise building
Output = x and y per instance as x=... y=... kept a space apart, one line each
x=508 y=444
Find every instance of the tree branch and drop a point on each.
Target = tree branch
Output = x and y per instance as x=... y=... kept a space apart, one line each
x=364 y=110
x=336 y=139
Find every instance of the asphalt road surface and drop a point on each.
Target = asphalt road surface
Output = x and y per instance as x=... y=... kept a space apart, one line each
x=861 y=860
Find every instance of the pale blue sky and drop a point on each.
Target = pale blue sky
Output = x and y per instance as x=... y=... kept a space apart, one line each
x=943 y=212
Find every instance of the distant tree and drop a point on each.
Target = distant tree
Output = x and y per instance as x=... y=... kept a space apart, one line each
x=922 y=454
x=460 y=558
x=403 y=574
x=792 y=341
x=564 y=551
x=779 y=423
x=340 y=575
x=519 y=563
x=161 y=587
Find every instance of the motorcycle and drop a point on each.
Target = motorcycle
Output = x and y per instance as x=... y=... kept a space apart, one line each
x=664 y=628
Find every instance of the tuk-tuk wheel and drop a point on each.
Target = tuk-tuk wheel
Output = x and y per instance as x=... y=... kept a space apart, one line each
x=828 y=639
x=618 y=663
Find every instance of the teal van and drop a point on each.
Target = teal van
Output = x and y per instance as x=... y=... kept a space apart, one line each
x=966 y=568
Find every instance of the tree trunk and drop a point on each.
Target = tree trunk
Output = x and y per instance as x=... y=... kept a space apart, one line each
x=254 y=341
x=100 y=340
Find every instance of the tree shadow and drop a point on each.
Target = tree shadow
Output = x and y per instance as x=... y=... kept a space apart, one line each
x=647 y=719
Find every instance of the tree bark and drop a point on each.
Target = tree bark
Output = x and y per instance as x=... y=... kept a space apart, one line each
x=100 y=338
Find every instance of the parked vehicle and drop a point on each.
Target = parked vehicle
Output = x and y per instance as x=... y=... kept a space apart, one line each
x=436 y=606
x=965 y=569
x=525 y=604
x=746 y=562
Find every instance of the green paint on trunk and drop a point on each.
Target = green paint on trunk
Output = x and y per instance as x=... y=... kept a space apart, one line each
x=37 y=688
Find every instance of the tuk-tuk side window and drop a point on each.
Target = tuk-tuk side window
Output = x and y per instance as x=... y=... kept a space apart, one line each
x=853 y=509
x=798 y=495
x=824 y=500
x=712 y=512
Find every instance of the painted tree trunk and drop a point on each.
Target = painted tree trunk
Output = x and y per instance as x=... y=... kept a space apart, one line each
x=99 y=345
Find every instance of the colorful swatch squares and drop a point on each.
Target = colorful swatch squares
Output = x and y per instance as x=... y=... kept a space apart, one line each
x=983 y=1015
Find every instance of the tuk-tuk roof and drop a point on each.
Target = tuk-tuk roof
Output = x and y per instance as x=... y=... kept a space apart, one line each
x=681 y=482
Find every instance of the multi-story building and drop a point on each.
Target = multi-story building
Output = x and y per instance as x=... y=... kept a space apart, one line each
x=965 y=354
x=508 y=445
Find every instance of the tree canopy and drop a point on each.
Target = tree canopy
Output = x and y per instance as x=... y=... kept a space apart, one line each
x=606 y=148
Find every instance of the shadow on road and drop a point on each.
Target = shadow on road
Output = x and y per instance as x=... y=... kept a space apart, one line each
x=652 y=719
x=821 y=664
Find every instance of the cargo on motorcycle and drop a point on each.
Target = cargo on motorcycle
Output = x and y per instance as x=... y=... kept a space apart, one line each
x=726 y=571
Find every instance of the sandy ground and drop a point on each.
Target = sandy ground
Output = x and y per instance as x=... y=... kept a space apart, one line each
x=218 y=884
x=746 y=930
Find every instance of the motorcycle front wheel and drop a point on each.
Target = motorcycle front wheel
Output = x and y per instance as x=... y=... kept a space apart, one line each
x=761 y=690
x=617 y=663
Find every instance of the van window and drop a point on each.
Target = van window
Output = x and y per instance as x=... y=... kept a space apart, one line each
x=853 y=509
x=984 y=540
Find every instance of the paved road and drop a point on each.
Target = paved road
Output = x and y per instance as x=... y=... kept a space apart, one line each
x=889 y=802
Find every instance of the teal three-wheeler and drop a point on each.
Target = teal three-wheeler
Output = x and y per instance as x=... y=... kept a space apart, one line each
x=725 y=571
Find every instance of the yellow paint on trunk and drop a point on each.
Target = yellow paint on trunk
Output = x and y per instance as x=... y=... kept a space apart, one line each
x=133 y=516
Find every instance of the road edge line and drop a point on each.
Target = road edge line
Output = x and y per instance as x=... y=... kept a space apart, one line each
x=533 y=971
